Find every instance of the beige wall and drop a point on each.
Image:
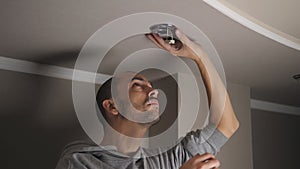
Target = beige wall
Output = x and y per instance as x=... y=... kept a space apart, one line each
x=237 y=152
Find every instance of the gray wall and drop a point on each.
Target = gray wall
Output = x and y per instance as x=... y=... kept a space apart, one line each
x=237 y=152
x=37 y=120
x=275 y=140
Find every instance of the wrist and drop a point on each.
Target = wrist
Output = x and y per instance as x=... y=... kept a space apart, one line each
x=192 y=55
x=196 y=53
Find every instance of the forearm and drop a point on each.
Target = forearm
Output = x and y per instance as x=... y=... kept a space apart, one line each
x=222 y=113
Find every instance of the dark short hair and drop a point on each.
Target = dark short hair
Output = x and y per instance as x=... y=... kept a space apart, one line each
x=104 y=93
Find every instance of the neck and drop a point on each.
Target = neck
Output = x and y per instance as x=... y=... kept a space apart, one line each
x=126 y=136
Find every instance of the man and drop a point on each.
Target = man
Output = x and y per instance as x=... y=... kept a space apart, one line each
x=136 y=109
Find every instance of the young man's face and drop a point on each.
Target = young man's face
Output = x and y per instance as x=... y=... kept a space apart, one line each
x=143 y=98
x=142 y=95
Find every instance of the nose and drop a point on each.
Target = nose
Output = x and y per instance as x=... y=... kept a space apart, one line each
x=153 y=93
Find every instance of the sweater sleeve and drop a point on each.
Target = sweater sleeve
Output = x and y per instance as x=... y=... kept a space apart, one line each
x=207 y=140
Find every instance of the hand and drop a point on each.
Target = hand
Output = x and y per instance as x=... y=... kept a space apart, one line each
x=185 y=51
x=205 y=161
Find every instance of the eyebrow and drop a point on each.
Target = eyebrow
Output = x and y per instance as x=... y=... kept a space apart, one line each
x=141 y=79
x=137 y=78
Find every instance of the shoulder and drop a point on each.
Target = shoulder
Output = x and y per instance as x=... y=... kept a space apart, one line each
x=75 y=153
x=79 y=146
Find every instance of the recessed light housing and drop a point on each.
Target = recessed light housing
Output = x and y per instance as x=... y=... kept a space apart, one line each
x=296 y=77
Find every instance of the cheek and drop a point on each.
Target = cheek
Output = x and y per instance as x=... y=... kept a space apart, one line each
x=138 y=99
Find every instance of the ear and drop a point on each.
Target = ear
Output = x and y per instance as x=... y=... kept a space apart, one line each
x=109 y=107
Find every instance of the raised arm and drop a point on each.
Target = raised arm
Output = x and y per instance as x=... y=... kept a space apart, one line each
x=222 y=114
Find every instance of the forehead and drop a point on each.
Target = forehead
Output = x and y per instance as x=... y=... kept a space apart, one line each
x=129 y=77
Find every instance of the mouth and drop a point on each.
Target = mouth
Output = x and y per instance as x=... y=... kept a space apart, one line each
x=153 y=102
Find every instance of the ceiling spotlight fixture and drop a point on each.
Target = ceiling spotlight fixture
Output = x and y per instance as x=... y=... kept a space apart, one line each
x=167 y=32
x=296 y=77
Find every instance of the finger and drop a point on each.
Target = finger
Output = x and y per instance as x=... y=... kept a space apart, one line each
x=162 y=42
x=210 y=164
x=151 y=37
x=204 y=157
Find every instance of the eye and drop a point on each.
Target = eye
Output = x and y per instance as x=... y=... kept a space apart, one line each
x=136 y=85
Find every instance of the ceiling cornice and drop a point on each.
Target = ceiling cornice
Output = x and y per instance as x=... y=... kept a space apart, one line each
x=254 y=24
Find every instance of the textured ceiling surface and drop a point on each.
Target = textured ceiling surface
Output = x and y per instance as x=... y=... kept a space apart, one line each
x=54 y=31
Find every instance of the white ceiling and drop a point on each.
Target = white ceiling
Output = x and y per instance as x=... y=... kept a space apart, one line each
x=53 y=32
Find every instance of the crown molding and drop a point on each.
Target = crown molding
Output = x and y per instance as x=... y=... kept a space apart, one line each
x=254 y=24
